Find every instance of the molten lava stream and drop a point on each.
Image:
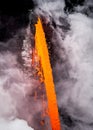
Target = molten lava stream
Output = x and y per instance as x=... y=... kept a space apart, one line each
x=42 y=51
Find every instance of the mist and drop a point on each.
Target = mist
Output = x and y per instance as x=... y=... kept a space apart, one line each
x=14 y=125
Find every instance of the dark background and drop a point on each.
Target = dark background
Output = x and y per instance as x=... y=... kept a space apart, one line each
x=13 y=16
x=15 y=7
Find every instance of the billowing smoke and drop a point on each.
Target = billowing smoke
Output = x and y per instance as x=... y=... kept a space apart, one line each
x=14 y=125
x=13 y=86
x=73 y=70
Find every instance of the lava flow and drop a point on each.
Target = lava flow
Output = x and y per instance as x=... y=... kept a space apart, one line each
x=45 y=74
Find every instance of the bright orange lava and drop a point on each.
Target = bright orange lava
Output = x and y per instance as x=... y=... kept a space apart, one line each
x=42 y=52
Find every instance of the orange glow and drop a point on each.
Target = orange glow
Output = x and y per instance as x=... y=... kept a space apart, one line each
x=42 y=52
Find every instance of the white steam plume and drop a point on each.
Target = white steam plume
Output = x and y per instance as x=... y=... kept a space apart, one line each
x=12 y=93
x=14 y=125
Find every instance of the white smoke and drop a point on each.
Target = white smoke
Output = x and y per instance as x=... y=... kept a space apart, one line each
x=75 y=91
x=13 y=87
x=14 y=125
x=79 y=46
x=51 y=8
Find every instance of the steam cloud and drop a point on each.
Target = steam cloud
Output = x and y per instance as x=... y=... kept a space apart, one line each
x=12 y=93
x=14 y=125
